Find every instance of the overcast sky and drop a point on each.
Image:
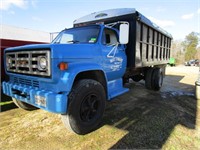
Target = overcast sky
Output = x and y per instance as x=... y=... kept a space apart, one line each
x=179 y=17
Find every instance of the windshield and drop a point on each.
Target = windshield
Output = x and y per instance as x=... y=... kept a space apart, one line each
x=78 y=35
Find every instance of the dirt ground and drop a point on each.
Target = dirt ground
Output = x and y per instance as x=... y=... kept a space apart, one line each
x=140 y=119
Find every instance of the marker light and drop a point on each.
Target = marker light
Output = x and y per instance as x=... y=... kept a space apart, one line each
x=63 y=66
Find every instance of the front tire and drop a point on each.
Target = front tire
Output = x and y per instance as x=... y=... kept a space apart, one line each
x=86 y=106
x=23 y=105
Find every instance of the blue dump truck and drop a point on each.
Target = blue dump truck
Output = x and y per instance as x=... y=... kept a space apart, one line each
x=86 y=65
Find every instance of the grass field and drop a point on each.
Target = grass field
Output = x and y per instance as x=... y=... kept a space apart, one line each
x=139 y=119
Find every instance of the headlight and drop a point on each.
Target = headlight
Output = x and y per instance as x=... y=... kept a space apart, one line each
x=8 y=61
x=42 y=63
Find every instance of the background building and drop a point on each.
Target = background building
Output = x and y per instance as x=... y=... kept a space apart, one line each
x=11 y=36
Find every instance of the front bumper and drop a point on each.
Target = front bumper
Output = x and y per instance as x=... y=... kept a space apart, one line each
x=54 y=102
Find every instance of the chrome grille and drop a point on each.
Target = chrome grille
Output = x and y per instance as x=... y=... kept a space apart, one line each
x=26 y=62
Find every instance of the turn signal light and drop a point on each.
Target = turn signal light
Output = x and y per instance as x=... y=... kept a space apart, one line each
x=63 y=66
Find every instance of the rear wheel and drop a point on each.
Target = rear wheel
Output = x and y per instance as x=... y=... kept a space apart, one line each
x=154 y=79
x=148 y=78
x=86 y=106
x=157 y=79
x=23 y=105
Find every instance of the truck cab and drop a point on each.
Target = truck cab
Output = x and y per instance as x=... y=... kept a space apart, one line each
x=43 y=76
x=98 y=44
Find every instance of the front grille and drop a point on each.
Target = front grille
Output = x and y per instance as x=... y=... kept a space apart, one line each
x=27 y=62
x=26 y=82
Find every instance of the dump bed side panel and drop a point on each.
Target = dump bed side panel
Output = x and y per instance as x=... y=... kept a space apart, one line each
x=152 y=46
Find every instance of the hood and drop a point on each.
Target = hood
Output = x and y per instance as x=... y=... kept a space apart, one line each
x=61 y=50
x=28 y=47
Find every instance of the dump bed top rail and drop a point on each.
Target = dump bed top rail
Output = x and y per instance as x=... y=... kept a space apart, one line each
x=101 y=16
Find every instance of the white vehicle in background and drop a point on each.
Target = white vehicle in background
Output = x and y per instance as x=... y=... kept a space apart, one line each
x=192 y=62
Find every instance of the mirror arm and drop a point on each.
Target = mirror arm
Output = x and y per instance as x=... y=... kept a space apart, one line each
x=114 y=23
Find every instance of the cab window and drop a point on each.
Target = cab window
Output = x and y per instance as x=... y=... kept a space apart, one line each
x=109 y=37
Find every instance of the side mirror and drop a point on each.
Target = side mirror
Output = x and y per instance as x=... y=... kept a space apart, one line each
x=123 y=33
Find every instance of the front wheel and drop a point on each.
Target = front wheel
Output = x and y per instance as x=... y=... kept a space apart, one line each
x=86 y=106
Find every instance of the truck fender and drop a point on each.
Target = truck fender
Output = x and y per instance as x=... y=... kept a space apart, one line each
x=74 y=69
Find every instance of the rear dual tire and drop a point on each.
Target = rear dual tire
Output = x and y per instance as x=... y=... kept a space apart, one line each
x=154 y=79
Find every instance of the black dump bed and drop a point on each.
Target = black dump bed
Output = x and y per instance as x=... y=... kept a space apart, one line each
x=149 y=45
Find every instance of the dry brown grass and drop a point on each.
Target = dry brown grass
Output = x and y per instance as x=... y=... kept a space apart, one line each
x=140 y=119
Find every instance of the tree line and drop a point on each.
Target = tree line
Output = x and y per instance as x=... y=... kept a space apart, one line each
x=186 y=50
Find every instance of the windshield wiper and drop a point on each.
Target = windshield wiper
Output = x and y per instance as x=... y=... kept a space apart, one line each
x=73 y=41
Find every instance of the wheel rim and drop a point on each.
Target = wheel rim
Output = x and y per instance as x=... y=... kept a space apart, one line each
x=160 y=80
x=89 y=107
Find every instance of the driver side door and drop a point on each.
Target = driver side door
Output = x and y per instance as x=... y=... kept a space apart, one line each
x=113 y=53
